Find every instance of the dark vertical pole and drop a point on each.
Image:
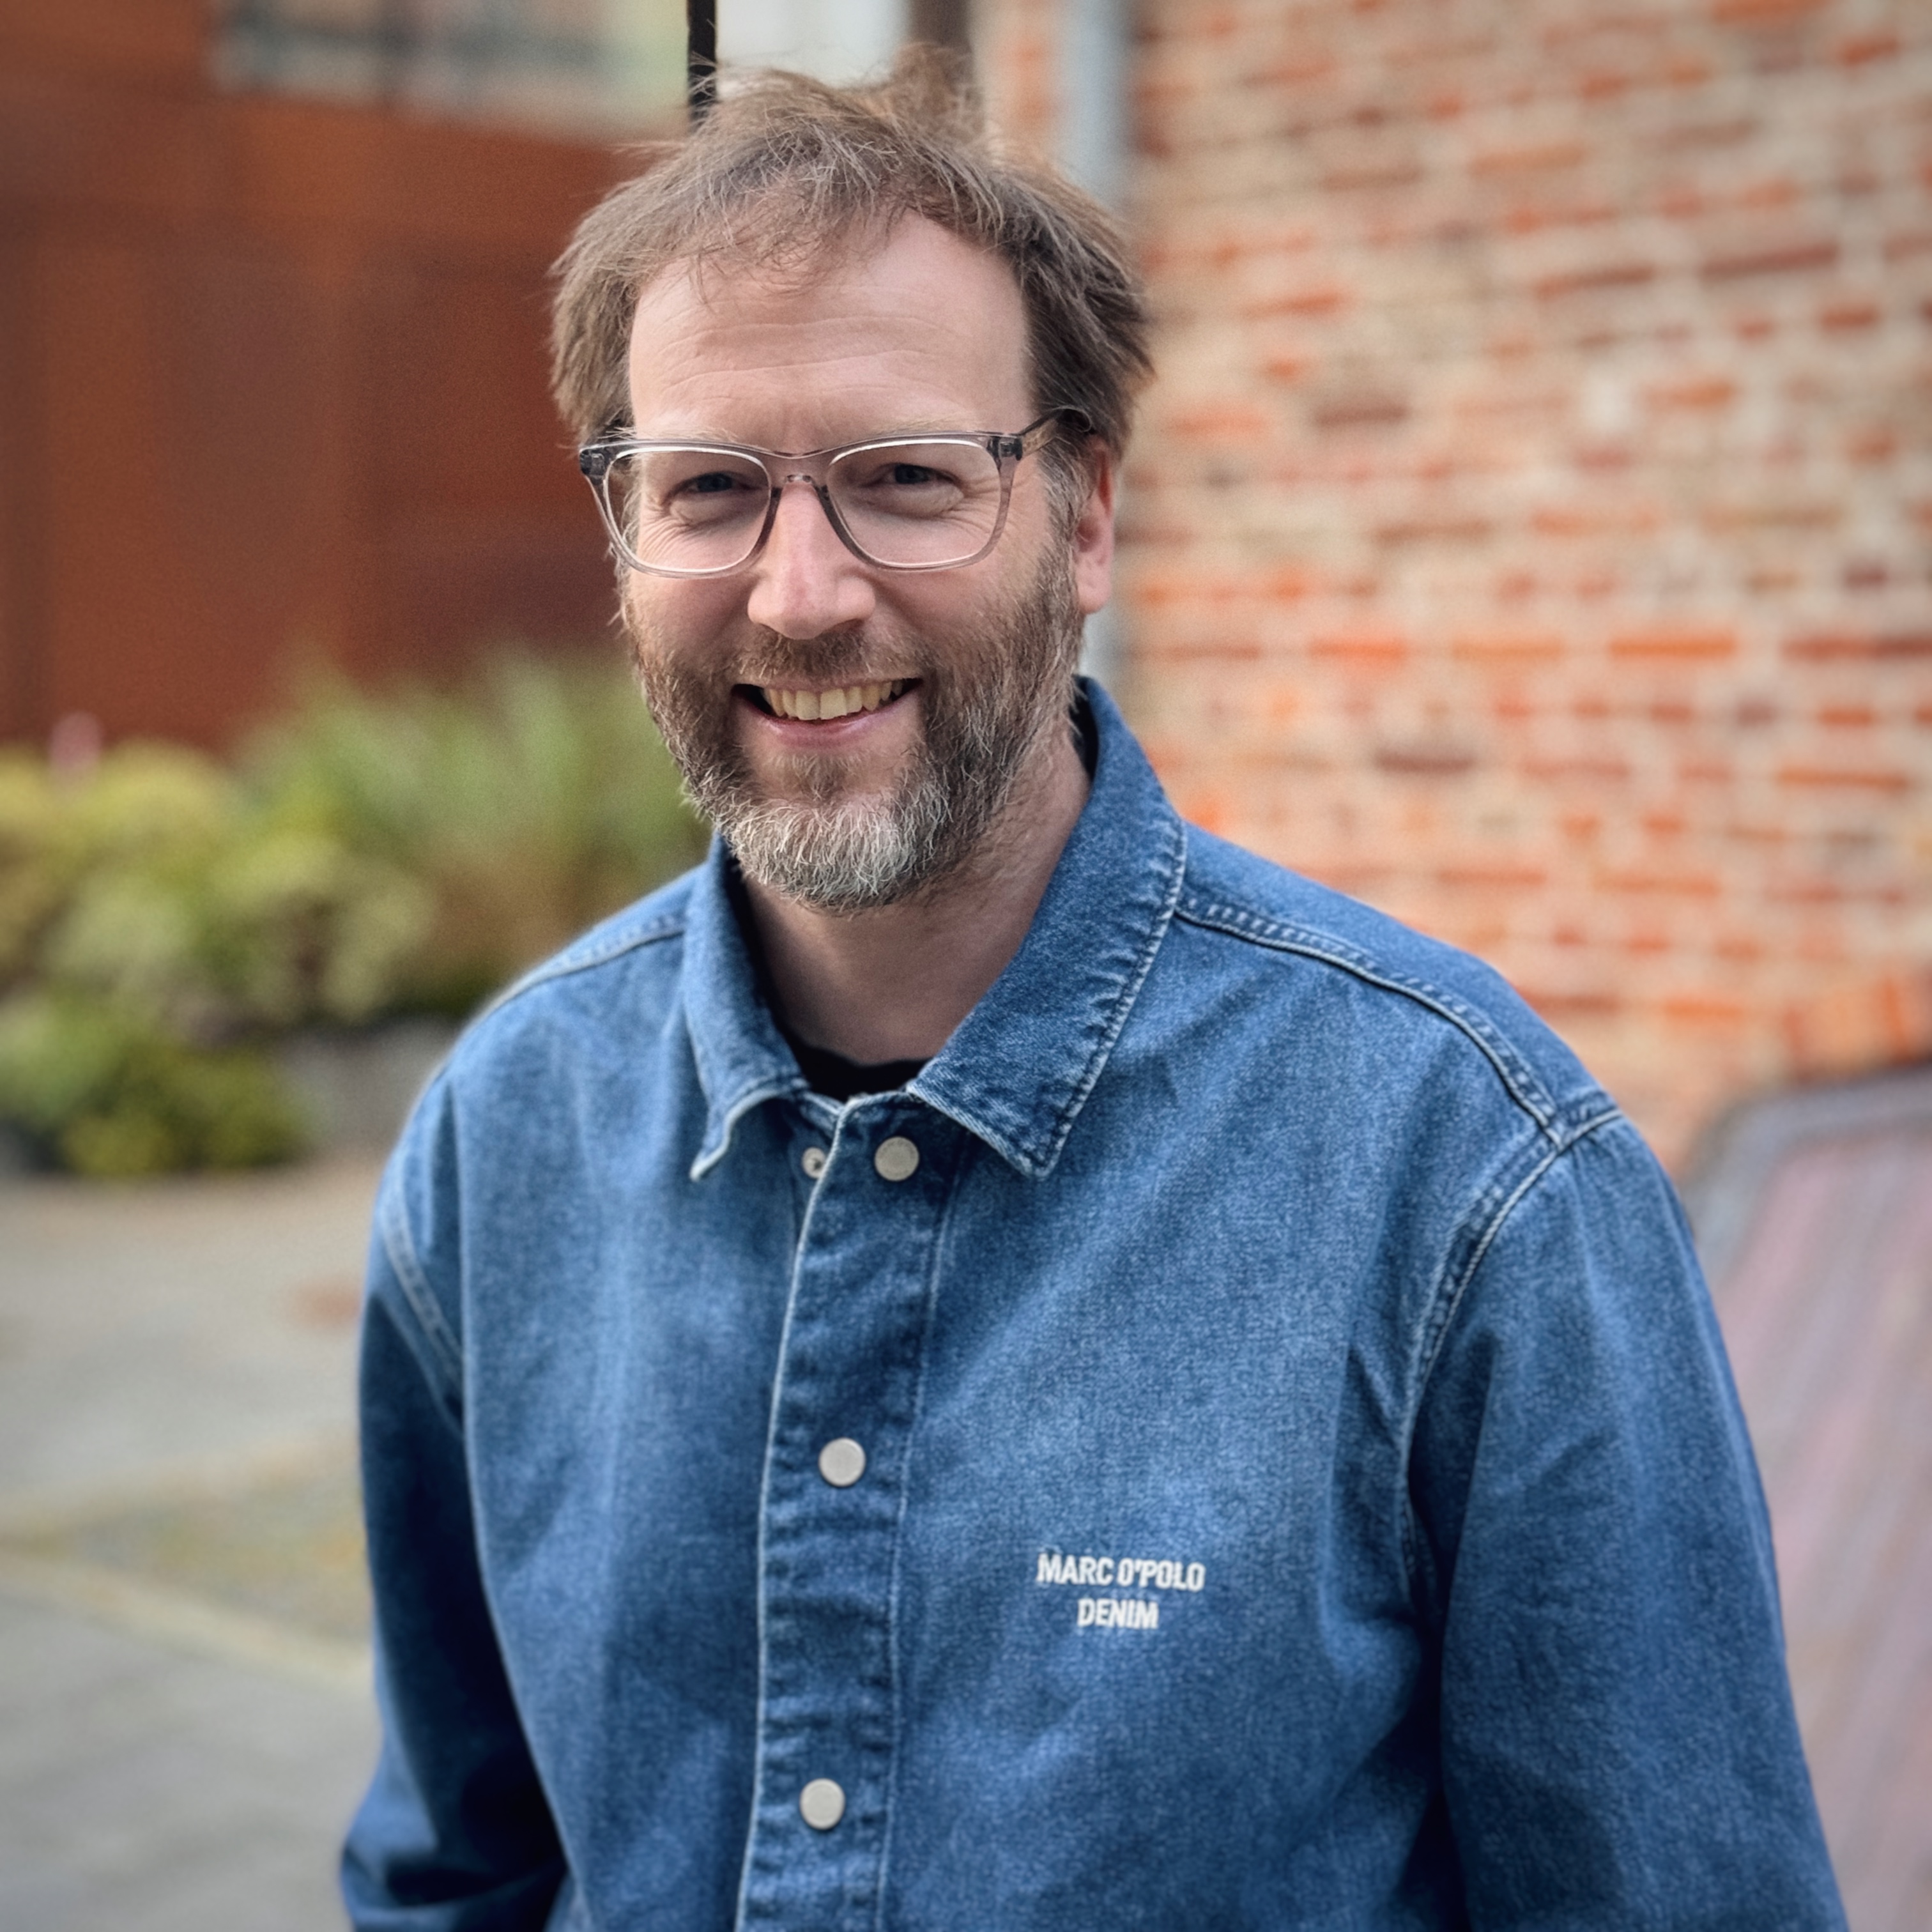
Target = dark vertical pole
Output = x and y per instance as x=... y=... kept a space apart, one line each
x=941 y=23
x=701 y=60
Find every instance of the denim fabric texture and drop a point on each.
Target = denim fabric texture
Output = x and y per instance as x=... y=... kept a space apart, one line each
x=1302 y=1484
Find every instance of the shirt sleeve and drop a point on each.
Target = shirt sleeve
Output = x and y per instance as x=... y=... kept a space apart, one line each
x=455 y=1834
x=1619 y=1747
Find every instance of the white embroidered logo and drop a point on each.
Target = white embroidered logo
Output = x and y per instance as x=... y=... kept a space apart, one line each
x=1121 y=1572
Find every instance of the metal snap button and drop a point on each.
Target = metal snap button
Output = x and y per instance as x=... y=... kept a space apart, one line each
x=822 y=1804
x=842 y=1462
x=813 y=1161
x=897 y=1159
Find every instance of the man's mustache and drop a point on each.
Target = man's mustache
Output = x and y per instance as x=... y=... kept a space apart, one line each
x=848 y=656
x=837 y=658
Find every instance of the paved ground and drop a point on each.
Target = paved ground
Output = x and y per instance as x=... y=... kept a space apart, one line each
x=184 y=1721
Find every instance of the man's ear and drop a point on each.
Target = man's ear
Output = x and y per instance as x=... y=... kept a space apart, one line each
x=1092 y=536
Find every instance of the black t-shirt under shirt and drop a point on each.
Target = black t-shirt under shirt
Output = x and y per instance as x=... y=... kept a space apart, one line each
x=839 y=1078
x=830 y=1073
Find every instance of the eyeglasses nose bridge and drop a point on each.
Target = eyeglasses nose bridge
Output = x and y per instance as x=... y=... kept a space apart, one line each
x=782 y=480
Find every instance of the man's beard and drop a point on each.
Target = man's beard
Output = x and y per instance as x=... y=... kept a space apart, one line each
x=985 y=703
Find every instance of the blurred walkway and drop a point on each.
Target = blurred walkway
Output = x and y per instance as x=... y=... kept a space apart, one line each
x=184 y=1718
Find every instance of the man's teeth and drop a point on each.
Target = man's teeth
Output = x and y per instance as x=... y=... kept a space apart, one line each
x=837 y=703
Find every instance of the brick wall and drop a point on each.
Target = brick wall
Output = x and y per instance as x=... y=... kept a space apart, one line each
x=1529 y=532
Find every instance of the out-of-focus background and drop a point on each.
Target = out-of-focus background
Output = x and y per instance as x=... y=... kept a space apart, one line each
x=1531 y=531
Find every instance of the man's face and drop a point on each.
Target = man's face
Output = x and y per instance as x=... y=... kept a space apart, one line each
x=959 y=675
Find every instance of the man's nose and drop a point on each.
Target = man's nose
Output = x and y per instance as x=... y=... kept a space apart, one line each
x=805 y=582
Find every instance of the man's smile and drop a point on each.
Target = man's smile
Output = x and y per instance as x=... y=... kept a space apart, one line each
x=816 y=704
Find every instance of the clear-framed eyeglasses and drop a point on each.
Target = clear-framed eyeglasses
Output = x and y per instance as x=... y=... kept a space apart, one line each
x=903 y=502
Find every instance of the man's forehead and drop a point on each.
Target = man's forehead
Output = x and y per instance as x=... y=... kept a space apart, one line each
x=860 y=250
x=913 y=304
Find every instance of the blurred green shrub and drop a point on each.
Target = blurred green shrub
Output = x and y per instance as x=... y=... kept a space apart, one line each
x=523 y=808
x=163 y=916
x=109 y=1093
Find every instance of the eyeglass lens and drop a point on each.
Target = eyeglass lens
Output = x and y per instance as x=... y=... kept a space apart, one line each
x=914 y=502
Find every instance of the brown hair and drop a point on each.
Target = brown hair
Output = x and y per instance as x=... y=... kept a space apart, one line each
x=786 y=170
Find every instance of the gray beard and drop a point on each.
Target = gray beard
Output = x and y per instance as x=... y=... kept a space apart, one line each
x=986 y=703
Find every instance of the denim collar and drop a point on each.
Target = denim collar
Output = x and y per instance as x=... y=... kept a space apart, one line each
x=1019 y=1068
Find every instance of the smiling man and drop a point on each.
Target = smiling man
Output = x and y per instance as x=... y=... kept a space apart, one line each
x=987 y=1360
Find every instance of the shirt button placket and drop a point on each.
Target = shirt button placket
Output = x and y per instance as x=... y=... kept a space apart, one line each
x=853 y=1336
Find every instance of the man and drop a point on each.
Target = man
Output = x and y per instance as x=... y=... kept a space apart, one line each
x=988 y=1360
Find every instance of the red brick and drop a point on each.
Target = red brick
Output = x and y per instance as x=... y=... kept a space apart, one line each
x=1797 y=254
x=1643 y=882
x=1538 y=157
x=1855 y=49
x=1595 y=519
x=1493 y=877
x=1446 y=526
x=1566 y=1008
x=1833 y=646
x=1688 y=70
x=1365 y=410
x=1700 y=392
x=1600 y=771
x=1676 y=645
x=1395 y=171
x=1425 y=758
x=1823 y=777
x=1220 y=422
x=1368 y=650
x=1705 y=1009
x=1593 y=280
x=1512 y=649
x=1323 y=298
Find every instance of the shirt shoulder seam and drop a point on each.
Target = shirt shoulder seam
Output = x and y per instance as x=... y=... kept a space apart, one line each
x=445 y=1353
x=1477 y=1234
x=1518 y=1079
x=584 y=958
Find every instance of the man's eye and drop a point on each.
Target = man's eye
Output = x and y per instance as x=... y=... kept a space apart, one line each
x=712 y=483
x=911 y=478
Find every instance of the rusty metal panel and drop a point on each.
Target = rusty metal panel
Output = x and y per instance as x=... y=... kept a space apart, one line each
x=239 y=336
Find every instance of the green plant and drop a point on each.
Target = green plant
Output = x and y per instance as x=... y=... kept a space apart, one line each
x=33 y=876
x=526 y=805
x=164 y=917
x=110 y=1094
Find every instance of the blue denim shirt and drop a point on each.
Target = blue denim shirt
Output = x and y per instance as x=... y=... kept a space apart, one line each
x=1302 y=1483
